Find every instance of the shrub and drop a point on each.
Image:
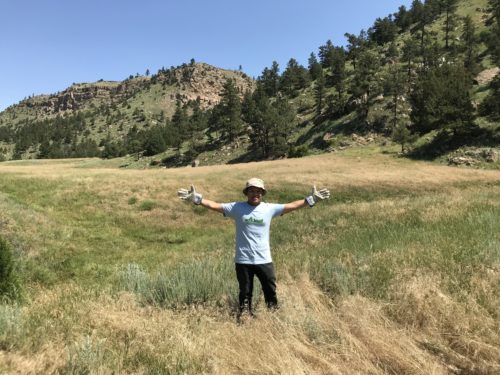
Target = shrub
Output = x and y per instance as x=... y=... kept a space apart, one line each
x=86 y=356
x=134 y=279
x=298 y=151
x=9 y=285
x=132 y=200
x=10 y=325
x=147 y=205
x=193 y=283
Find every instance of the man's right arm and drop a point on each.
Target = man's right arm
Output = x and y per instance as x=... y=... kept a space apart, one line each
x=197 y=198
x=212 y=205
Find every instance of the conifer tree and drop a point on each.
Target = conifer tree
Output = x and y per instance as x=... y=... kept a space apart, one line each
x=355 y=44
x=383 y=31
x=441 y=100
x=325 y=54
x=410 y=53
x=402 y=18
x=450 y=22
x=314 y=66
x=365 y=84
x=227 y=114
x=493 y=38
x=431 y=51
x=256 y=106
x=180 y=124
x=416 y=11
x=469 y=45
x=337 y=69
x=422 y=17
x=270 y=79
x=397 y=87
x=271 y=123
x=282 y=127
x=154 y=143
x=294 y=78
x=196 y=124
x=319 y=93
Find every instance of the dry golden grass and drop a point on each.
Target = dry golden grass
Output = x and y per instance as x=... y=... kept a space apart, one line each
x=419 y=329
x=308 y=335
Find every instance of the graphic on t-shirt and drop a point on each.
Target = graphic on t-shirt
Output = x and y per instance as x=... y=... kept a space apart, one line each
x=254 y=221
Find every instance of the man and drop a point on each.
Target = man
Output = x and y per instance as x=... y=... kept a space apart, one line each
x=253 y=219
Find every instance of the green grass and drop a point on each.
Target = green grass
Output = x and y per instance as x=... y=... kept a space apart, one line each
x=82 y=242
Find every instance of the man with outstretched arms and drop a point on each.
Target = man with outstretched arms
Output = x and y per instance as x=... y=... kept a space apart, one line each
x=253 y=219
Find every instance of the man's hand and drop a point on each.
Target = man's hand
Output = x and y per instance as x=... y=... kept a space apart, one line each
x=190 y=195
x=317 y=195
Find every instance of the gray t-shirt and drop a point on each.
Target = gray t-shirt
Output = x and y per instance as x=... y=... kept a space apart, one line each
x=252 y=230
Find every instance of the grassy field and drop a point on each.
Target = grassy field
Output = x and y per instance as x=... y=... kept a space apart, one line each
x=398 y=273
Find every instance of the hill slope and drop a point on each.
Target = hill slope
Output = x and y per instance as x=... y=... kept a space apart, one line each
x=368 y=89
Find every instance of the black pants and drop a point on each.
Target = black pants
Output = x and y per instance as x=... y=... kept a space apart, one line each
x=265 y=273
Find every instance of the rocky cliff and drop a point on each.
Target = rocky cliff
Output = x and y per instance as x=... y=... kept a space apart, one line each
x=184 y=83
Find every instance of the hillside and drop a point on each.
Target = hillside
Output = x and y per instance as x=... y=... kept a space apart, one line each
x=113 y=108
x=390 y=87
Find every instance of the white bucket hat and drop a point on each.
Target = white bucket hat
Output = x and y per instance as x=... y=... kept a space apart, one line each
x=255 y=182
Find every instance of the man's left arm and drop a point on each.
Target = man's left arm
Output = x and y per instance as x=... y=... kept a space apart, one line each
x=315 y=196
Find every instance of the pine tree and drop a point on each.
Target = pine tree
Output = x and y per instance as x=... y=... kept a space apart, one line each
x=232 y=111
x=271 y=123
x=255 y=111
x=450 y=22
x=365 y=84
x=422 y=17
x=319 y=93
x=270 y=79
x=44 y=150
x=431 y=51
x=196 y=124
x=282 y=126
x=355 y=44
x=314 y=67
x=337 y=69
x=383 y=31
x=325 y=54
x=441 y=100
x=416 y=11
x=294 y=78
x=410 y=53
x=493 y=38
x=180 y=124
x=469 y=45
x=154 y=143
x=396 y=88
x=402 y=18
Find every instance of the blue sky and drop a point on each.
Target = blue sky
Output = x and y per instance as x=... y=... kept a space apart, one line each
x=46 y=45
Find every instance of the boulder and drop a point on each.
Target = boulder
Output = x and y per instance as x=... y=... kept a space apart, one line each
x=462 y=160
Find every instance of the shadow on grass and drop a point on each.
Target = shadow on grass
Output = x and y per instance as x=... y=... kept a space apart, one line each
x=327 y=123
x=446 y=142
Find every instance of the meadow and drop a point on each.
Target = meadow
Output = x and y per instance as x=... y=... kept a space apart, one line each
x=398 y=273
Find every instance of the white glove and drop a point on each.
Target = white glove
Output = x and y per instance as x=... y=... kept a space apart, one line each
x=190 y=195
x=317 y=195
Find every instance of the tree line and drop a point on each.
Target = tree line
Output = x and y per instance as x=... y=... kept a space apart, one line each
x=423 y=77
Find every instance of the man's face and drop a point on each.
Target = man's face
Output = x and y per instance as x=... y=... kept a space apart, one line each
x=254 y=195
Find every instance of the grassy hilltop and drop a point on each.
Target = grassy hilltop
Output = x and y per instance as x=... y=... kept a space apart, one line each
x=397 y=273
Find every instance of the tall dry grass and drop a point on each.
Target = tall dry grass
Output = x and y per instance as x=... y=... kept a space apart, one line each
x=397 y=274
